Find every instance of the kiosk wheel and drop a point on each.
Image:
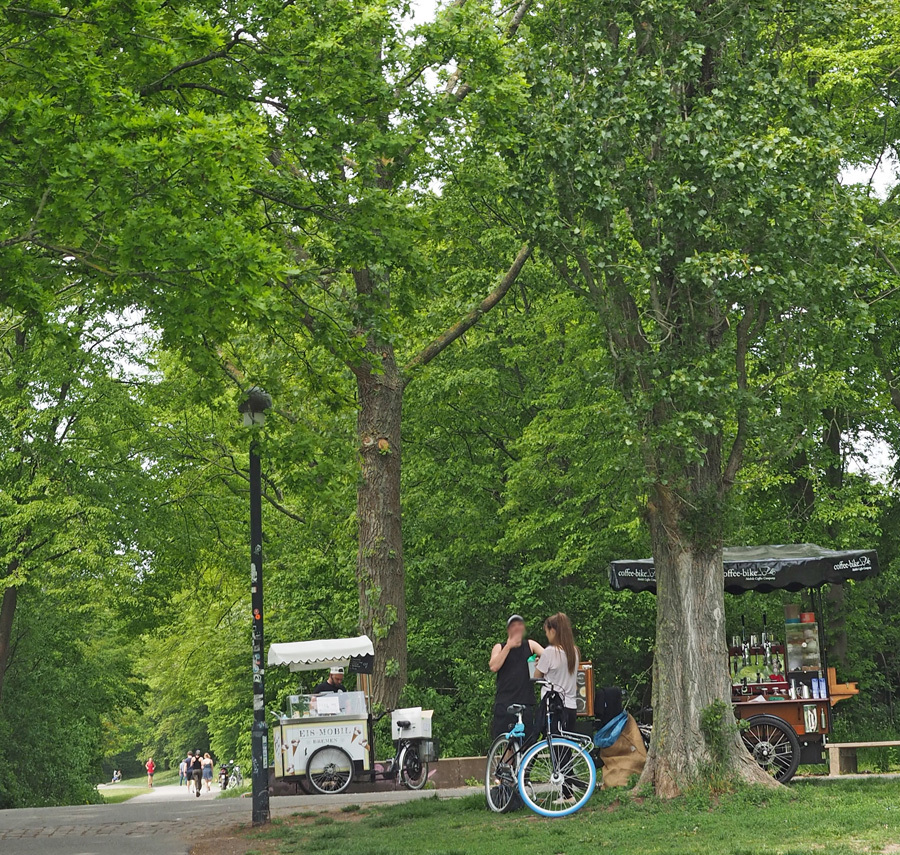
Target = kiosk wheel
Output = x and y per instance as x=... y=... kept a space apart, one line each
x=413 y=769
x=329 y=770
x=773 y=744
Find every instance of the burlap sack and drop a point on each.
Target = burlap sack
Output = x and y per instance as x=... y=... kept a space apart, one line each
x=625 y=757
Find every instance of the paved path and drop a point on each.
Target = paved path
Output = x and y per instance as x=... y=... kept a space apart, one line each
x=160 y=822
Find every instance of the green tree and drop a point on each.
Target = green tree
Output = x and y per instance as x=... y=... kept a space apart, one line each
x=682 y=178
x=69 y=504
x=356 y=131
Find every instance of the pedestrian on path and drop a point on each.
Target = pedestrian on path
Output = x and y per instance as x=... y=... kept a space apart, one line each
x=197 y=772
x=182 y=773
x=150 y=766
x=207 y=771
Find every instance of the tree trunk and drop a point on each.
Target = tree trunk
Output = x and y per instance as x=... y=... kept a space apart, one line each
x=379 y=565
x=7 y=613
x=836 y=594
x=382 y=593
x=690 y=662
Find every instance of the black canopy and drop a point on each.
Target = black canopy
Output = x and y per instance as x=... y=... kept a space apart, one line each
x=764 y=568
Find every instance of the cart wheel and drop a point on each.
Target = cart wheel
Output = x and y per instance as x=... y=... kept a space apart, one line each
x=774 y=746
x=413 y=769
x=329 y=770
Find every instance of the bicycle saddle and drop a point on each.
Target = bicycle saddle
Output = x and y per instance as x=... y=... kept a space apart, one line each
x=403 y=725
x=515 y=709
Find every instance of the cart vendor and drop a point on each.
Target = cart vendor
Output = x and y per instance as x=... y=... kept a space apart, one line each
x=509 y=661
x=334 y=683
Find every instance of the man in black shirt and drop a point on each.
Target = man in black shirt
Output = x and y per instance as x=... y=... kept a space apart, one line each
x=196 y=772
x=509 y=661
x=334 y=683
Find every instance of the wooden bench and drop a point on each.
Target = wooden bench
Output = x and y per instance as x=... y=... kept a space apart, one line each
x=842 y=755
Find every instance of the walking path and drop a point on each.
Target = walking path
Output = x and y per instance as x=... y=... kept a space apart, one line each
x=164 y=821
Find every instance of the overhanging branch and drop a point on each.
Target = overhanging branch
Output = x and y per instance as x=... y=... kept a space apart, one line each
x=451 y=334
x=193 y=63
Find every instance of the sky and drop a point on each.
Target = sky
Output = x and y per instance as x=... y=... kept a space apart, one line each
x=423 y=9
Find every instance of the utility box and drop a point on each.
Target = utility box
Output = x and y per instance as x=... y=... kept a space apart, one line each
x=419 y=723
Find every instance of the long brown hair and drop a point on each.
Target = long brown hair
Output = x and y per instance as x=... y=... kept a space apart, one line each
x=564 y=638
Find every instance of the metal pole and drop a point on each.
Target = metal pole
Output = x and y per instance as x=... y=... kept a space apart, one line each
x=260 y=735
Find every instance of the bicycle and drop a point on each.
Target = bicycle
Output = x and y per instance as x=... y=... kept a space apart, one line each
x=236 y=779
x=500 y=777
x=554 y=777
x=409 y=761
x=329 y=770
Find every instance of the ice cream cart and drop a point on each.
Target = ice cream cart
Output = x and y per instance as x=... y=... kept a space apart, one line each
x=322 y=742
x=782 y=686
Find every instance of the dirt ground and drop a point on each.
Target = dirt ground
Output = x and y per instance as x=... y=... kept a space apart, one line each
x=240 y=839
x=237 y=840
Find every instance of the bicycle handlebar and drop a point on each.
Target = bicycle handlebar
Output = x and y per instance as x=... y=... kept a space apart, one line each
x=552 y=687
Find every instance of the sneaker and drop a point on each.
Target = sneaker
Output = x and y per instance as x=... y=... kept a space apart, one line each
x=570 y=800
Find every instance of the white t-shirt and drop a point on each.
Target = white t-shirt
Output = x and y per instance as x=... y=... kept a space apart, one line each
x=554 y=665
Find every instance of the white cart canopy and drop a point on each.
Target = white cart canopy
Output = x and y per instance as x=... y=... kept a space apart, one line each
x=324 y=653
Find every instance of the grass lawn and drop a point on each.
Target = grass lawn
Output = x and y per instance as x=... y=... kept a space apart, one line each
x=234 y=792
x=835 y=818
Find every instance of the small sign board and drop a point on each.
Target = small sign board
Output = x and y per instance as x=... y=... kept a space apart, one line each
x=361 y=664
x=328 y=704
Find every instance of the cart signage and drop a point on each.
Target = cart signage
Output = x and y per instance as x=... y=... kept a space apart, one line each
x=764 y=568
x=750 y=573
x=861 y=564
x=296 y=741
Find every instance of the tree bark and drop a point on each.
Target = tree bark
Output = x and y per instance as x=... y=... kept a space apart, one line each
x=836 y=594
x=7 y=614
x=379 y=566
x=690 y=662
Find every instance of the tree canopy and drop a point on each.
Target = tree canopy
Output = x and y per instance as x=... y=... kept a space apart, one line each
x=592 y=272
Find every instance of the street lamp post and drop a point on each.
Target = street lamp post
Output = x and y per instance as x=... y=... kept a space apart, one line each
x=253 y=408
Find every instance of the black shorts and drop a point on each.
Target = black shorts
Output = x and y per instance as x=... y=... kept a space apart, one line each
x=504 y=722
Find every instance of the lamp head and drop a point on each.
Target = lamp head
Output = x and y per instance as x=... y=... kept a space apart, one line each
x=254 y=406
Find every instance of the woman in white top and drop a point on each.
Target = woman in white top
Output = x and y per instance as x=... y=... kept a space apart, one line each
x=558 y=665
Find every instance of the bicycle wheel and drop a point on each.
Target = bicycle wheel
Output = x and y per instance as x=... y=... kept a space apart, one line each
x=500 y=786
x=329 y=770
x=557 y=779
x=413 y=769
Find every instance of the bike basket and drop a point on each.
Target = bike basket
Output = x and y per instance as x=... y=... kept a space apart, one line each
x=429 y=750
